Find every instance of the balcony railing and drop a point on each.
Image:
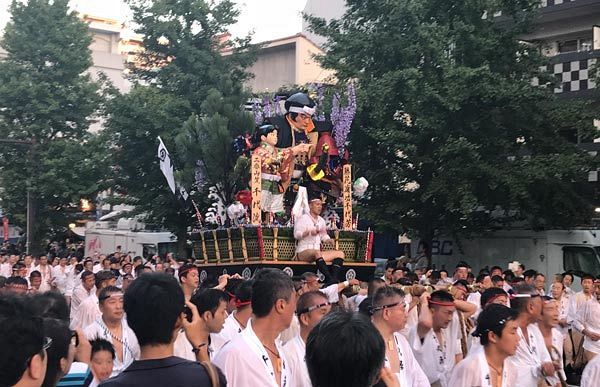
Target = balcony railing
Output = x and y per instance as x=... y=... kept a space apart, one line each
x=573 y=72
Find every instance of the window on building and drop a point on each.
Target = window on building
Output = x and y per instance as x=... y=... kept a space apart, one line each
x=567 y=46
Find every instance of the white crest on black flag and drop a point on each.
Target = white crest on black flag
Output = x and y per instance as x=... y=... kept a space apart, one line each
x=166 y=165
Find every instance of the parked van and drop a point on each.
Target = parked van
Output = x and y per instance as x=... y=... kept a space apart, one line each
x=549 y=252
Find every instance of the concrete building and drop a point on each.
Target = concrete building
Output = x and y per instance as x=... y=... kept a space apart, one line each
x=286 y=61
x=330 y=9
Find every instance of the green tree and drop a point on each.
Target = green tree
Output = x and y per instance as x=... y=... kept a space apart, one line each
x=48 y=100
x=451 y=133
x=189 y=91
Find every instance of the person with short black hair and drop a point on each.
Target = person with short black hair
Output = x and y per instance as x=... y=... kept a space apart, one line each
x=82 y=291
x=101 y=360
x=435 y=337
x=89 y=309
x=256 y=357
x=539 y=281
x=35 y=281
x=497 y=333
x=16 y=285
x=568 y=282
x=345 y=350
x=389 y=317
x=498 y=282
x=587 y=322
x=495 y=270
x=311 y=307
x=390 y=266
x=212 y=308
x=60 y=354
x=237 y=320
x=529 y=276
x=23 y=356
x=310 y=231
x=112 y=326
x=154 y=304
x=189 y=279
x=532 y=360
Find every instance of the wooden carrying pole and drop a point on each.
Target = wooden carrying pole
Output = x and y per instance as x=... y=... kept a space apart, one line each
x=347 y=196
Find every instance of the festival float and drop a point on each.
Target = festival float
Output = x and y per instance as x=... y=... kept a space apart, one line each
x=294 y=154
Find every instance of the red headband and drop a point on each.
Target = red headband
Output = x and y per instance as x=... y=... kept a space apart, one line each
x=492 y=298
x=441 y=303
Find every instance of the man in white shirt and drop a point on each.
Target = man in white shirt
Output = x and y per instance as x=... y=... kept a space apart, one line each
x=82 y=291
x=389 y=317
x=312 y=306
x=553 y=338
x=212 y=309
x=237 y=320
x=89 y=309
x=431 y=341
x=46 y=272
x=532 y=360
x=112 y=326
x=576 y=302
x=310 y=283
x=255 y=358
x=7 y=266
x=62 y=278
x=497 y=332
x=588 y=323
x=591 y=373
x=189 y=279
x=310 y=231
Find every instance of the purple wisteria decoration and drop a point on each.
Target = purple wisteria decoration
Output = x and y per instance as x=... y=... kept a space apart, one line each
x=257 y=113
x=320 y=101
x=342 y=116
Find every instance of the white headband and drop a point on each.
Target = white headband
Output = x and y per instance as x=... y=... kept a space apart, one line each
x=305 y=109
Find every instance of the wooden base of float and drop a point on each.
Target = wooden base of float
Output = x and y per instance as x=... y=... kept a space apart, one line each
x=243 y=250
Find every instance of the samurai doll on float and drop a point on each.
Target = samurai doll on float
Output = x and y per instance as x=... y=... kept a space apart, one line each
x=276 y=164
x=296 y=127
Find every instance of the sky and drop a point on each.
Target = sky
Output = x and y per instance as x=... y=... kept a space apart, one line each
x=268 y=19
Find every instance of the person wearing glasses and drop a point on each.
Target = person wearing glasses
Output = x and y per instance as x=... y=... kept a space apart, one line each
x=311 y=307
x=388 y=314
x=23 y=357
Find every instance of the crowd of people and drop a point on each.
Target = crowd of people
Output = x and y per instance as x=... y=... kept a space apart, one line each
x=119 y=320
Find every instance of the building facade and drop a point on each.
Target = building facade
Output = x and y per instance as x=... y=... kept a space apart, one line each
x=287 y=61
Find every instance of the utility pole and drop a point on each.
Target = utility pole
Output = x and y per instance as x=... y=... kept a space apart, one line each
x=30 y=209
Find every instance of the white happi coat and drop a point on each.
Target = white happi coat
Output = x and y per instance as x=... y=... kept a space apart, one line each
x=246 y=363
x=436 y=359
x=87 y=312
x=591 y=373
x=131 y=348
x=295 y=352
x=410 y=373
x=588 y=318
x=231 y=329
x=529 y=357
x=475 y=371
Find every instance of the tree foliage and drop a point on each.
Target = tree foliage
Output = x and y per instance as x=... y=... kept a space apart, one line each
x=49 y=100
x=451 y=133
x=189 y=91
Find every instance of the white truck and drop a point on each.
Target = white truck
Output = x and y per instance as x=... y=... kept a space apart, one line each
x=549 y=252
x=103 y=237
